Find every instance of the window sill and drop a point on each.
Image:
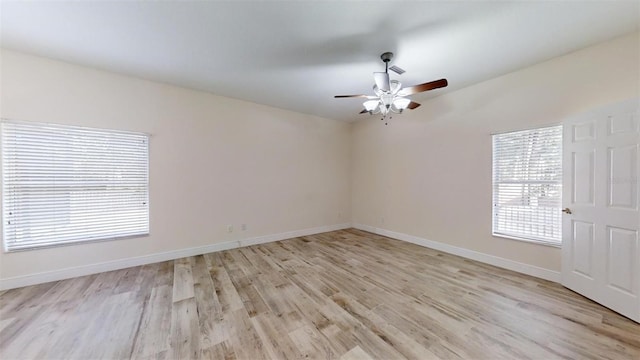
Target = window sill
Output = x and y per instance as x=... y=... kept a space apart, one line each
x=532 y=241
x=77 y=242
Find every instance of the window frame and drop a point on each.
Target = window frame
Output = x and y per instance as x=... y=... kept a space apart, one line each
x=559 y=183
x=9 y=246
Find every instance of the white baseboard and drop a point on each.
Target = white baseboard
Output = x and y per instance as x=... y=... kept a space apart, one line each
x=527 y=269
x=44 y=277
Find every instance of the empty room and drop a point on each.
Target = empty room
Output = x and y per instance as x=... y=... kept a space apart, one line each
x=320 y=180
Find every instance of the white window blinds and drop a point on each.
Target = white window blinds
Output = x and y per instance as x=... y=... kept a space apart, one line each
x=64 y=184
x=527 y=184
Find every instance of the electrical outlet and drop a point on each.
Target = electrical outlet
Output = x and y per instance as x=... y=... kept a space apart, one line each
x=230 y=228
x=382 y=220
x=243 y=227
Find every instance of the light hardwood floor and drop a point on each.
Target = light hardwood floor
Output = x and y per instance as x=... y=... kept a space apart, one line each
x=344 y=294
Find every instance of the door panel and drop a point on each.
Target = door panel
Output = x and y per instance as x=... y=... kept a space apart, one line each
x=584 y=131
x=600 y=247
x=622 y=165
x=622 y=123
x=622 y=264
x=583 y=177
x=583 y=240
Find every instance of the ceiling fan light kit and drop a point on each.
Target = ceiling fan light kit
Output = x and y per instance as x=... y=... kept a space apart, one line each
x=390 y=97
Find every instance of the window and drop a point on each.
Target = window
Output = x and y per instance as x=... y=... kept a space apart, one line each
x=65 y=184
x=527 y=185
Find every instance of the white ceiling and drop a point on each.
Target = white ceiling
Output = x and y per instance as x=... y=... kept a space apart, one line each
x=297 y=55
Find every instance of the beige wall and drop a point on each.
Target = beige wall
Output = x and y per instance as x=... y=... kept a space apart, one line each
x=214 y=161
x=217 y=161
x=428 y=173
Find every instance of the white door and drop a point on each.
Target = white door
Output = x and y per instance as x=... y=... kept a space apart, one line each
x=601 y=245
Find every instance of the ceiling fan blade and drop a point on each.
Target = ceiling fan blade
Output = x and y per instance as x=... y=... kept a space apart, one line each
x=350 y=96
x=412 y=105
x=363 y=111
x=423 y=87
x=382 y=80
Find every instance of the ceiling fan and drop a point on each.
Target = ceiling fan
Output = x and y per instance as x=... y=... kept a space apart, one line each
x=390 y=96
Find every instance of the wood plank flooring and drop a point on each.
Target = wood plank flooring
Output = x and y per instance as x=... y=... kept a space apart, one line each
x=340 y=295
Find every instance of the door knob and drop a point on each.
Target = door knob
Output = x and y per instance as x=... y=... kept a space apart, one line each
x=566 y=211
